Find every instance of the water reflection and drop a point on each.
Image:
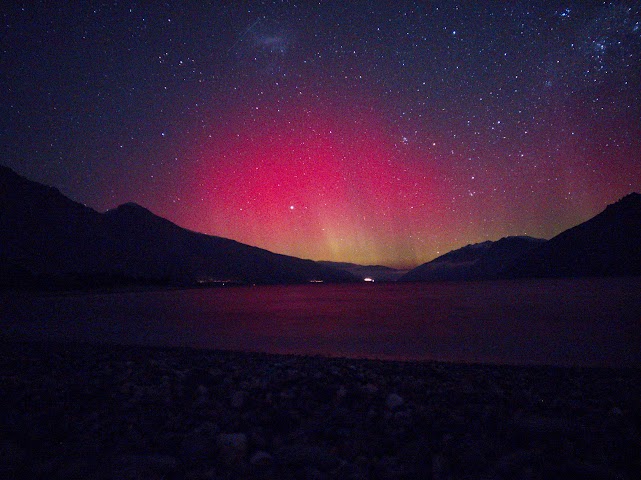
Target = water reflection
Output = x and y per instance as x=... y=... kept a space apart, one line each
x=580 y=322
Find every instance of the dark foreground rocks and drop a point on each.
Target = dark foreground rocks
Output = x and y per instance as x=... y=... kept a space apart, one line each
x=86 y=411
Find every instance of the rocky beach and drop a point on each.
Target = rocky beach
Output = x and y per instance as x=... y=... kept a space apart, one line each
x=127 y=412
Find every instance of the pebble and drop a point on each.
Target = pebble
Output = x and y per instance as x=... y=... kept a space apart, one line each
x=232 y=447
x=615 y=412
x=237 y=399
x=394 y=401
x=306 y=455
x=143 y=466
x=122 y=412
x=198 y=446
x=370 y=389
x=261 y=458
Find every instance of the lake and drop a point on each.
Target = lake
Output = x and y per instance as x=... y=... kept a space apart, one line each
x=550 y=321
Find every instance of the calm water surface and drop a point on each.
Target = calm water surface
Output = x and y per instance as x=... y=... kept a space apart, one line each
x=577 y=322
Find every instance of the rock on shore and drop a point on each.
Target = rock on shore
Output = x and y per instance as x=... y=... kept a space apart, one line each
x=88 y=411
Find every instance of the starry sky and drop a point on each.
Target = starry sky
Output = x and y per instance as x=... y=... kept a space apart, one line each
x=372 y=132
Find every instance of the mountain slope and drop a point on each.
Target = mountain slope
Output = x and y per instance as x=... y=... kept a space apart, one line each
x=479 y=261
x=608 y=244
x=45 y=235
x=377 y=273
x=43 y=231
x=143 y=238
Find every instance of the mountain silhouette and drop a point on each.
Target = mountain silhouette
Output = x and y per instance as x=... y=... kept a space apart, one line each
x=377 y=273
x=44 y=232
x=48 y=239
x=480 y=261
x=608 y=244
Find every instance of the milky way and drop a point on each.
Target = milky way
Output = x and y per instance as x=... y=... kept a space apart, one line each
x=373 y=132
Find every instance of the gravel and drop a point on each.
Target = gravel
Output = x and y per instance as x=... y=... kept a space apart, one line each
x=97 y=411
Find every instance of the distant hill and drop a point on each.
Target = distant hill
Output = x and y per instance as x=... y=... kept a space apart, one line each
x=377 y=273
x=608 y=244
x=48 y=239
x=480 y=261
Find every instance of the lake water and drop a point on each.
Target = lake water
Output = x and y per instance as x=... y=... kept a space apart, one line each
x=561 y=322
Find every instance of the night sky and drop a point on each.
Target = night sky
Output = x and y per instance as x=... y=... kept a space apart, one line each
x=372 y=132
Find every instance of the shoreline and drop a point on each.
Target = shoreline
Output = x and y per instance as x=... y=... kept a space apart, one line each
x=159 y=287
x=116 y=411
x=188 y=350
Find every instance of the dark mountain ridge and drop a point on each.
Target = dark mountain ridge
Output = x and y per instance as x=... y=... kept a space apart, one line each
x=608 y=244
x=48 y=239
x=480 y=261
x=377 y=273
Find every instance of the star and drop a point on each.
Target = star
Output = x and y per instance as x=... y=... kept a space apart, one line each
x=378 y=123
